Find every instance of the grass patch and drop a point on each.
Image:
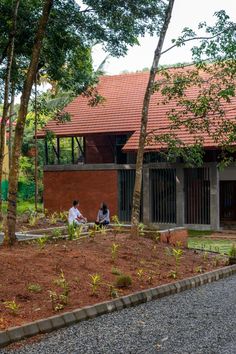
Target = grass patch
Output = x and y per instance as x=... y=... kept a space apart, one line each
x=220 y=246
x=199 y=233
x=22 y=206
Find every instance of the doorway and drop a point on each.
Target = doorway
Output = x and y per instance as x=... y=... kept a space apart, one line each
x=228 y=202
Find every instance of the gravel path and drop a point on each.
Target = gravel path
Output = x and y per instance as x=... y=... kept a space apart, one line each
x=199 y=321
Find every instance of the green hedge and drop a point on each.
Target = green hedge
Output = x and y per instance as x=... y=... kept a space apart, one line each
x=25 y=190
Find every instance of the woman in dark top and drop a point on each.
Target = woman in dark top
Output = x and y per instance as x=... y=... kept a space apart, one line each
x=103 y=217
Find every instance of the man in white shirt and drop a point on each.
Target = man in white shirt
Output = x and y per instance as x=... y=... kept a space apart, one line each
x=75 y=216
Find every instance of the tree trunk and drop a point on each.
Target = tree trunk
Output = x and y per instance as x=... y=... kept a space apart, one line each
x=36 y=147
x=11 y=115
x=10 y=237
x=10 y=54
x=143 y=130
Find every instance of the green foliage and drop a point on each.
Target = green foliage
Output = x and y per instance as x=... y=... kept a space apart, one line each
x=140 y=273
x=33 y=219
x=177 y=253
x=56 y=232
x=114 y=251
x=60 y=299
x=173 y=274
x=232 y=251
x=123 y=281
x=118 y=226
x=34 y=288
x=95 y=283
x=141 y=229
x=41 y=241
x=114 y=293
x=12 y=306
x=115 y=271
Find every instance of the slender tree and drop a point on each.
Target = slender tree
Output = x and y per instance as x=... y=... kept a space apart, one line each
x=19 y=129
x=6 y=105
x=143 y=130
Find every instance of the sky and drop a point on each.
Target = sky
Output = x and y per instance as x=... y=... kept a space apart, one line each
x=186 y=13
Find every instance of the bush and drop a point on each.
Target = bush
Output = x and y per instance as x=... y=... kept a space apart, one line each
x=123 y=281
x=232 y=251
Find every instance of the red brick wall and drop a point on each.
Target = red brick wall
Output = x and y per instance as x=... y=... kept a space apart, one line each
x=90 y=187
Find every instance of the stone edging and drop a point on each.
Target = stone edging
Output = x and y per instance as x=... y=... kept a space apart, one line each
x=68 y=318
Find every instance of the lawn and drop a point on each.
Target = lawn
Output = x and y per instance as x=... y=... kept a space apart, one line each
x=197 y=240
x=23 y=206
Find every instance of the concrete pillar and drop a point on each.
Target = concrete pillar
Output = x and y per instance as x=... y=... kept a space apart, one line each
x=214 y=198
x=146 y=196
x=179 y=196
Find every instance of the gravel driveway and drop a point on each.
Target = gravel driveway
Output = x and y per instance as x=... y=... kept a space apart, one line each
x=199 y=321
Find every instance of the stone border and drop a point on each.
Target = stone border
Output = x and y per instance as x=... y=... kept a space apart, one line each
x=68 y=318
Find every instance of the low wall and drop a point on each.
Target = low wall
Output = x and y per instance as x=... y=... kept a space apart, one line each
x=173 y=236
x=89 y=187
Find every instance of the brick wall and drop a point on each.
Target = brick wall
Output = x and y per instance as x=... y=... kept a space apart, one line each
x=90 y=187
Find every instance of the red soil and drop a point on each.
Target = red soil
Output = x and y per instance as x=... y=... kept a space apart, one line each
x=26 y=264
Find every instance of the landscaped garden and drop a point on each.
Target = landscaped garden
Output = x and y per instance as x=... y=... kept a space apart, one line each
x=47 y=276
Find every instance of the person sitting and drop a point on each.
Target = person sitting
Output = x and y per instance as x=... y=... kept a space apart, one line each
x=75 y=216
x=103 y=217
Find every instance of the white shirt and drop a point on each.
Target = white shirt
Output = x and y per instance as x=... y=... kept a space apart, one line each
x=73 y=214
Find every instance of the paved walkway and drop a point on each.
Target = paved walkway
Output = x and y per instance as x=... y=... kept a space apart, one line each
x=199 y=321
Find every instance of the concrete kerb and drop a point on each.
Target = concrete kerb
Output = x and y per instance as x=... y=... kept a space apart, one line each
x=68 y=318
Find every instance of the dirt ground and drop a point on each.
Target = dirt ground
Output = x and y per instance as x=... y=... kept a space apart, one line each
x=28 y=268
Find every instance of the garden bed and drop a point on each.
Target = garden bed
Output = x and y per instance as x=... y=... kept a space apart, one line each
x=37 y=280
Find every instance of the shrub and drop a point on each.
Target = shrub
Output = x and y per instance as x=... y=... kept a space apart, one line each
x=232 y=251
x=123 y=281
x=34 y=288
x=116 y=271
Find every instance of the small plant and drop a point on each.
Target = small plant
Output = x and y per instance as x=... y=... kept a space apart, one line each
x=53 y=218
x=56 y=232
x=118 y=225
x=33 y=219
x=205 y=256
x=93 y=231
x=173 y=274
x=177 y=253
x=141 y=229
x=34 y=288
x=115 y=271
x=157 y=236
x=55 y=301
x=232 y=251
x=199 y=269
x=95 y=282
x=60 y=300
x=63 y=284
x=114 y=293
x=150 y=279
x=123 y=281
x=63 y=216
x=216 y=261
x=74 y=232
x=114 y=251
x=179 y=244
x=140 y=273
x=41 y=241
x=12 y=306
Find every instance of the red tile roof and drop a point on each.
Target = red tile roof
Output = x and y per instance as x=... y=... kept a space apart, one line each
x=121 y=112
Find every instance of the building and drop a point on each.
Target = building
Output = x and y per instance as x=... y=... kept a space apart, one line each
x=92 y=158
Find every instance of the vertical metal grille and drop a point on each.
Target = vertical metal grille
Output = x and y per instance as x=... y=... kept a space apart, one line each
x=197 y=195
x=163 y=195
x=126 y=179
